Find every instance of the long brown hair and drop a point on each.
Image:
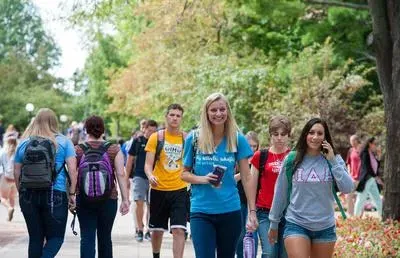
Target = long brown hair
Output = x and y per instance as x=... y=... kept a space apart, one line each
x=301 y=146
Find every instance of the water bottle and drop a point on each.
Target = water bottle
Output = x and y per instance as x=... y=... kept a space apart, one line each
x=249 y=246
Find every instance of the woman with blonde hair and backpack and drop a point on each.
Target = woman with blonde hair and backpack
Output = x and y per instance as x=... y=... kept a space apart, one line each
x=41 y=179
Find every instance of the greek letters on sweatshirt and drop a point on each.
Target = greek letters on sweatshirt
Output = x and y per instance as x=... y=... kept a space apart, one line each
x=311 y=202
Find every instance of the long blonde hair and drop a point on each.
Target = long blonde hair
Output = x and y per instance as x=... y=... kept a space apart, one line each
x=44 y=124
x=10 y=147
x=206 y=139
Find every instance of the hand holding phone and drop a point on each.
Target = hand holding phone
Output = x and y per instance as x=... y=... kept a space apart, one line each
x=219 y=171
x=327 y=150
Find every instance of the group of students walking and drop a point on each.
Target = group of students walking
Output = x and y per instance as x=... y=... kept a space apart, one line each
x=286 y=196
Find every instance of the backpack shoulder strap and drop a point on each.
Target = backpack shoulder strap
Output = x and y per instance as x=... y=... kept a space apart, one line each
x=104 y=147
x=263 y=160
x=335 y=194
x=289 y=171
x=195 y=144
x=160 y=144
x=84 y=146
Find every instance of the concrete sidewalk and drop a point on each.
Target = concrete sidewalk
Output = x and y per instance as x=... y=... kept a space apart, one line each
x=14 y=239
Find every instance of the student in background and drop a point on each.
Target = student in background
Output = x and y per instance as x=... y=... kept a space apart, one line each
x=252 y=139
x=353 y=162
x=369 y=178
x=279 y=129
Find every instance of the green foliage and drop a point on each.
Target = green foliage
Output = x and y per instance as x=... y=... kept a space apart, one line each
x=26 y=55
x=268 y=57
x=347 y=28
x=22 y=83
x=21 y=32
x=268 y=25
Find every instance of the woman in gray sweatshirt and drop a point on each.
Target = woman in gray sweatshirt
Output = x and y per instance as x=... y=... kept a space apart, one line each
x=309 y=210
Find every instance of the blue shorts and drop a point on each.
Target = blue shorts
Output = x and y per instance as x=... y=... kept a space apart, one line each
x=321 y=236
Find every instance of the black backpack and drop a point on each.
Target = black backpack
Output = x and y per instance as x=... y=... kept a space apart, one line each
x=38 y=164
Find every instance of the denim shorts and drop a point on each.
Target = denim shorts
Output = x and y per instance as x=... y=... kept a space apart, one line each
x=320 y=236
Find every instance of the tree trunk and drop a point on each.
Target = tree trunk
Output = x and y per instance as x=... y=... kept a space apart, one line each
x=386 y=28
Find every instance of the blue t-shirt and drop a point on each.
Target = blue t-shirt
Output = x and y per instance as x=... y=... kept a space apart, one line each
x=65 y=150
x=205 y=198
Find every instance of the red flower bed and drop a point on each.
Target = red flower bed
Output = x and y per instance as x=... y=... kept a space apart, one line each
x=368 y=237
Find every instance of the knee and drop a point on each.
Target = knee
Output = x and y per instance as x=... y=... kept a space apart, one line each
x=139 y=204
x=55 y=241
x=178 y=232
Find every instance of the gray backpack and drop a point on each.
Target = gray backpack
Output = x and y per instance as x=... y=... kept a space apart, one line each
x=38 y=163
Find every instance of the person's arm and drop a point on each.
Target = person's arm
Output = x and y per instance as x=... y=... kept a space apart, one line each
x=129 y=165
x=122 y=182
x=17 y=174
x=191 y=178
x=73 y=174
x=341 y=176
x=148 y=168
x=249 y=182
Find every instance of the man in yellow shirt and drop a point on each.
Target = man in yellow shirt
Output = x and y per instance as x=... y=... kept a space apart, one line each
x=168 y=194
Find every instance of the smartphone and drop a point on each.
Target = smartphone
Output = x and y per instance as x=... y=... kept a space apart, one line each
x=218 y=171
x=324 y=150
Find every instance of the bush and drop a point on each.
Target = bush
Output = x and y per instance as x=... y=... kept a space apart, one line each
x=367 y=237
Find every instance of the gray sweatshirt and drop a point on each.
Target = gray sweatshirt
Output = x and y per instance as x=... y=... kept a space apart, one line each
x=311 y=202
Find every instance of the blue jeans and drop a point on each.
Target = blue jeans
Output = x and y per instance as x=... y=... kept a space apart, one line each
x=268 y=250
x=212 y=232
x=45 y=214
x=239 y=249
x=96 y=217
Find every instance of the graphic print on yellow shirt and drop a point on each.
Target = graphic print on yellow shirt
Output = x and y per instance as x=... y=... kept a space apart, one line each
x=169 y=167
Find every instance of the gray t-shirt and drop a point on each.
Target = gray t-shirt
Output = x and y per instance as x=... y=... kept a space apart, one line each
x=311 y=202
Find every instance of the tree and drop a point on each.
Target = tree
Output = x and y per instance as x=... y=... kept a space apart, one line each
x=21 y=32
x=386 y=28
x=27 y=54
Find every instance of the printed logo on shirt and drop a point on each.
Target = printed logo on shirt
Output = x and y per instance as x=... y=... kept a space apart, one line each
x=275 y=166
x=173 y=152
x=209 y=160
x=311 y=176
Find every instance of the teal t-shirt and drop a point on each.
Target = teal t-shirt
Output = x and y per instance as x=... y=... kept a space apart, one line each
x=65 y=150
x=205 y=198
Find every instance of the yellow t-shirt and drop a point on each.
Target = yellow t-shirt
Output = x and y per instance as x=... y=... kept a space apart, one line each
x=169 y=167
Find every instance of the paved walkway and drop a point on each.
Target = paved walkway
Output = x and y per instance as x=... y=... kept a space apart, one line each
x=14 y=239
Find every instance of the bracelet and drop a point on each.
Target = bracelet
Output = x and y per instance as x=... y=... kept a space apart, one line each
x=72 y=193
x=253 y=211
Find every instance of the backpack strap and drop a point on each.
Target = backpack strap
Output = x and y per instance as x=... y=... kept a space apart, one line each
x=66 y=174
x=160 y=145
x=289 y=170
x=195 y=144
x=261 y=165
x=84 y=146
x=334 y=192
x=104 y=147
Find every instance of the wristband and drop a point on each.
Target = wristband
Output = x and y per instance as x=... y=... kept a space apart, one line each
x=253 y=211
x=72 y=193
